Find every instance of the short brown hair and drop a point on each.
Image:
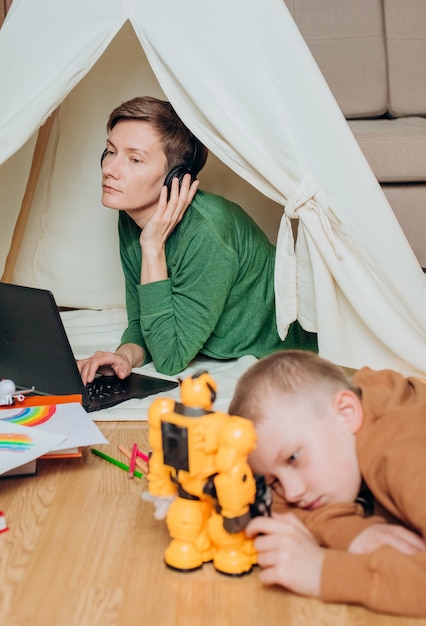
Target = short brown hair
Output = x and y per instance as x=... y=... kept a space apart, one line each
x=286 y=371
x=179 y=144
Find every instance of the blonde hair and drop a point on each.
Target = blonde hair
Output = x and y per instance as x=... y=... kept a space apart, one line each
x=293 y=372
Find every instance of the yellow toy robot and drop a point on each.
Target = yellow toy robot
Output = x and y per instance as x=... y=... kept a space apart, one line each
x=198 y=471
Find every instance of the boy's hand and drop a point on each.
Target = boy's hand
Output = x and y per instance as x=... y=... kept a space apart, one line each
x=377 y=535
x=288 y=553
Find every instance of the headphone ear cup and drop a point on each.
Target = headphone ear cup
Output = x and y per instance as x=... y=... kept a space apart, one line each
x=177 y=172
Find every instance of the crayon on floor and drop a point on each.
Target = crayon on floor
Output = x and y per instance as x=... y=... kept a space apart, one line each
x=119 y=464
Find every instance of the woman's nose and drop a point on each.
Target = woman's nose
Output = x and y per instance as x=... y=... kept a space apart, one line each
x=110 y=166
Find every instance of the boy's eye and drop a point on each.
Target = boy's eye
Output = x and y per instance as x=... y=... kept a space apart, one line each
x=275 y=485
x=292 y=459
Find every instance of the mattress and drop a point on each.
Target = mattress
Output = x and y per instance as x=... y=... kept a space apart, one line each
x=90 y=330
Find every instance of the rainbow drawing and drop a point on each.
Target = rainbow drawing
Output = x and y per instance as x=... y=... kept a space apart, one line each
x=15 y=442
x=32 y=415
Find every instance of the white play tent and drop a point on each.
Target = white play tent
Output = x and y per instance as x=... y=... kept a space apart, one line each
x=241 y=77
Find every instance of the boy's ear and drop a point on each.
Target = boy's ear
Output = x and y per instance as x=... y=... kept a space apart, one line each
x=349 y=407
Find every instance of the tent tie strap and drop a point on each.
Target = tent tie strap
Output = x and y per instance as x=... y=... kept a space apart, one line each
x=309 y=195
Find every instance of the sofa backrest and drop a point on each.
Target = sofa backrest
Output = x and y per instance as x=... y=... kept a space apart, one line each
x=346 y=38
x=405 y=27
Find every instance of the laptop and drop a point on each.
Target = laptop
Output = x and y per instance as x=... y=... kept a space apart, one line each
x=35 y=352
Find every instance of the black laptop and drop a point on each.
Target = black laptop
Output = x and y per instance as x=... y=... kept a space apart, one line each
x=35 y=352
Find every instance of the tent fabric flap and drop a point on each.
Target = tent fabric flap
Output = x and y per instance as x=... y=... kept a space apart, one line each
x=46 y=48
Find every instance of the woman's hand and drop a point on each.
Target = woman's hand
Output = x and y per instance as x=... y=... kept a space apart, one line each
x=163 y=221
x=120 y=362
x=288 y=553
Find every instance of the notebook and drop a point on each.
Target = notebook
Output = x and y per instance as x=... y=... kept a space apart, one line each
x=35 y=352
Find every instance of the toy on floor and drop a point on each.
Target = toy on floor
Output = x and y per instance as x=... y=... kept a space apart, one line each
x=200 y=480
x=8 y=393
x=3 y=525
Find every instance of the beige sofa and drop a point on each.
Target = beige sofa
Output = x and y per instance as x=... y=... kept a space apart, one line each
x=373 y=55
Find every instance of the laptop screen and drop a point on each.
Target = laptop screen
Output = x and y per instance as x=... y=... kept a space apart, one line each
x=34 y=347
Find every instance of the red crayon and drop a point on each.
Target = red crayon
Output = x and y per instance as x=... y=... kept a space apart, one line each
x=143 y=456
x=132 y=464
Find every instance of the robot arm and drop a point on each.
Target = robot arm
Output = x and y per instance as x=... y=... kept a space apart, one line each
x=235 y=484
x=159 y=475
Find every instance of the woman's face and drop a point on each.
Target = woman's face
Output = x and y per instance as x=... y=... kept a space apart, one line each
x=133 y=169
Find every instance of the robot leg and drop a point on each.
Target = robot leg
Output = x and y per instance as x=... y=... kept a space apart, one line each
x=187 y=524
x=234 y=552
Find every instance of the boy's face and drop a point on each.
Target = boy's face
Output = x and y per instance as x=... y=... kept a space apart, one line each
x=307 y=448
x=133 y=169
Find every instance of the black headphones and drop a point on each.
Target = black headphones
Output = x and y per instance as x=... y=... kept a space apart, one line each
x=178 y=171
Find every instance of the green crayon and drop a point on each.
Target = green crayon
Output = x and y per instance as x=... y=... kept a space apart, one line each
x=115 y=462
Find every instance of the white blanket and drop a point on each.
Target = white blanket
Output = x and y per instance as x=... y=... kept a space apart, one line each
x=90 y=330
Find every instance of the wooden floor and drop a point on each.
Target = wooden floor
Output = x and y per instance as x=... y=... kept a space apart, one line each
x=83 y=549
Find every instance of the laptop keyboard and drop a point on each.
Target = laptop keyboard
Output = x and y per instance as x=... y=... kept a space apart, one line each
x=103 y=393
x=107 y=391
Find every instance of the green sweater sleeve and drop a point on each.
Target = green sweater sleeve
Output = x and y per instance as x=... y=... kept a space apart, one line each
x=131 y=262
x=178 y=315
x=172 y=319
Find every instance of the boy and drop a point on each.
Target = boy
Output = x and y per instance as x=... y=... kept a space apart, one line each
x=335 y=452
x=199 y=272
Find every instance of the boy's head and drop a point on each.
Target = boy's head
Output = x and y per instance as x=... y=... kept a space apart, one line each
x=306 y=414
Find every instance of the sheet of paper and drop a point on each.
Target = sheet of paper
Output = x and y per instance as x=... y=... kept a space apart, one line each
x=21 y=444
x=69 y=420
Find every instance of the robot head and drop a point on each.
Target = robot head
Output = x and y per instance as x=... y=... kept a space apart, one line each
x=198 y=391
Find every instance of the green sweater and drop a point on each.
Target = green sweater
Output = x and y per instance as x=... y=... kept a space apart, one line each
x=219 y=297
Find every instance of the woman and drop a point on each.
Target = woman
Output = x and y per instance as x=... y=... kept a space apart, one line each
x=199 y=272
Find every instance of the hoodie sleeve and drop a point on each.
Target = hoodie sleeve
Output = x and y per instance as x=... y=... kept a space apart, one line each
x=384 y=580
x=333 y=526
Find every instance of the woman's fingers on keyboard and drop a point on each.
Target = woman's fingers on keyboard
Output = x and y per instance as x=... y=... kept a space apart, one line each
x=89 y=367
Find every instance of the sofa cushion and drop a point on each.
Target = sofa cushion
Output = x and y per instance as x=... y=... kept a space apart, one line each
x=406 y=47
x=347 y=42
x=394 y=148
x=408 y=202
